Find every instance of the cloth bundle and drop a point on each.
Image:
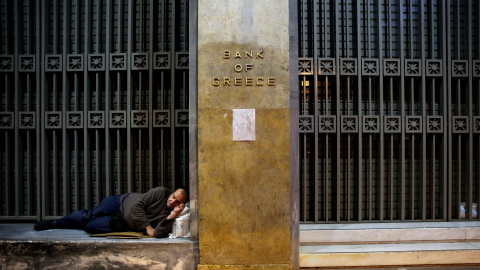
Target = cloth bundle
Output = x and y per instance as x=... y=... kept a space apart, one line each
x=181 y=226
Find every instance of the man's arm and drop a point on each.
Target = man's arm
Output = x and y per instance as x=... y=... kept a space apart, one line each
x=138 y=208
x=165 y=226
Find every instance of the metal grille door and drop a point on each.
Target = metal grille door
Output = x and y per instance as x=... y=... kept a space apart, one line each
x=94 y=102
x=390 y=110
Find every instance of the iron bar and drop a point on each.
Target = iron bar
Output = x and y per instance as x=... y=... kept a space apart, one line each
x=65 y=176
x=87 y=150
x=380 y=198
x=448 y=52
x=423 y=152
x=16 y=99
x=129 y=89
x=109 y=189
x=173 y=97
x=316 y=108
x=360 y=177
x=470 y=113
x=151 y=49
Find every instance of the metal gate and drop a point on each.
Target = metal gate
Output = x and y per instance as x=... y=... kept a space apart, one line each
x=94 y=102
x=390 y=110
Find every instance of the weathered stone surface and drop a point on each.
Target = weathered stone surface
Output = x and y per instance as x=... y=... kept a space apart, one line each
x=21 y=247
x=15 y=255
x=75 y=255
x=244 y=187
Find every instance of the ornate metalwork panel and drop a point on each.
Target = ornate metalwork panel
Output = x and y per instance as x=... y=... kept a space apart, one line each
x=94 y=102
x=390 y=109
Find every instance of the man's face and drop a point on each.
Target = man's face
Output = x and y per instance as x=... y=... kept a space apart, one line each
x=176 y=199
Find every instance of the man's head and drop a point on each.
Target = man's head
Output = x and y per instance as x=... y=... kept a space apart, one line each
x=177 y=198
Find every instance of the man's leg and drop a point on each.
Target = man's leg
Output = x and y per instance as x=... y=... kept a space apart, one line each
x=99 y=225
x=79 y=219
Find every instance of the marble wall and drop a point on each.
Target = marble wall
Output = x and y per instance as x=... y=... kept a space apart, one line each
x=243 y=182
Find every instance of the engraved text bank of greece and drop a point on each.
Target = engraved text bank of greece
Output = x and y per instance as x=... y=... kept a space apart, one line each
x=246 y=68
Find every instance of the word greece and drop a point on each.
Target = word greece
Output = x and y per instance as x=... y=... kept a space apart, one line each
x=246 y=68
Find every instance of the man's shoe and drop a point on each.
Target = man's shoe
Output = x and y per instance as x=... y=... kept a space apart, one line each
x=45 y=225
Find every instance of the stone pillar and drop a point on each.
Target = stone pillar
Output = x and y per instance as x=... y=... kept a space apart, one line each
x=244 y=134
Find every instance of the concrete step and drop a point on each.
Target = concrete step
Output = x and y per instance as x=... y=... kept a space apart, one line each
x=21 y=247
x=367 y=233
x=389 y=255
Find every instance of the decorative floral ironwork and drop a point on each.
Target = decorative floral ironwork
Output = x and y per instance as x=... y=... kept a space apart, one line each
x=476 y=124
x=27 y=120
x=161 y=118
x=305 y=123
x=117 y=61
x=459 y=68
x=349 y=123
x=27 y=63
x=96 y=62
x=96 y=119
x=74 y=120
x=476 y=68
x=413 y=124
x=326 y=66
x=460 y=124
x=371 y=124
x=348 y=66
x=182 y=118
x=434 y=124
x=370 y=67
x=182 y=60
x=53 y=63
x=413 y=67
x=434 y=68
x=6 y=63
x=53 y=120
x=391 y=67
x=75 y=62
x=139 y=61
x=139 y=119
x=6 y=120
x=162 y=60
x=327 y=124
x=392 y=124
x=118 y=119
x=305 y=66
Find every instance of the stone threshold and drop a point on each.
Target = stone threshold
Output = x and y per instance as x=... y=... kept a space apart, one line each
x=369 y=233
x=21 y=247
x=387 y=255
x=376 y=245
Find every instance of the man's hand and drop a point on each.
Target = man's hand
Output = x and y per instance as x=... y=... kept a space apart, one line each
x=150 y=230
x=179 y=208
x=176 y=211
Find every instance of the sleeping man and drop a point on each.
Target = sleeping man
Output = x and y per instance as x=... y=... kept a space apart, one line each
x=153 y=212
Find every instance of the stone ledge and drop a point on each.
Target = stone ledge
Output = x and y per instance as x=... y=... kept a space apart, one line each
x=389 y=233
x=21 y=247
x=384 y=255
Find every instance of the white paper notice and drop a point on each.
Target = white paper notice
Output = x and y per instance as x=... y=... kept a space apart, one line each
x=244 y=125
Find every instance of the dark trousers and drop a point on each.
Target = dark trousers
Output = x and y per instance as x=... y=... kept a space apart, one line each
x=95 y=220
